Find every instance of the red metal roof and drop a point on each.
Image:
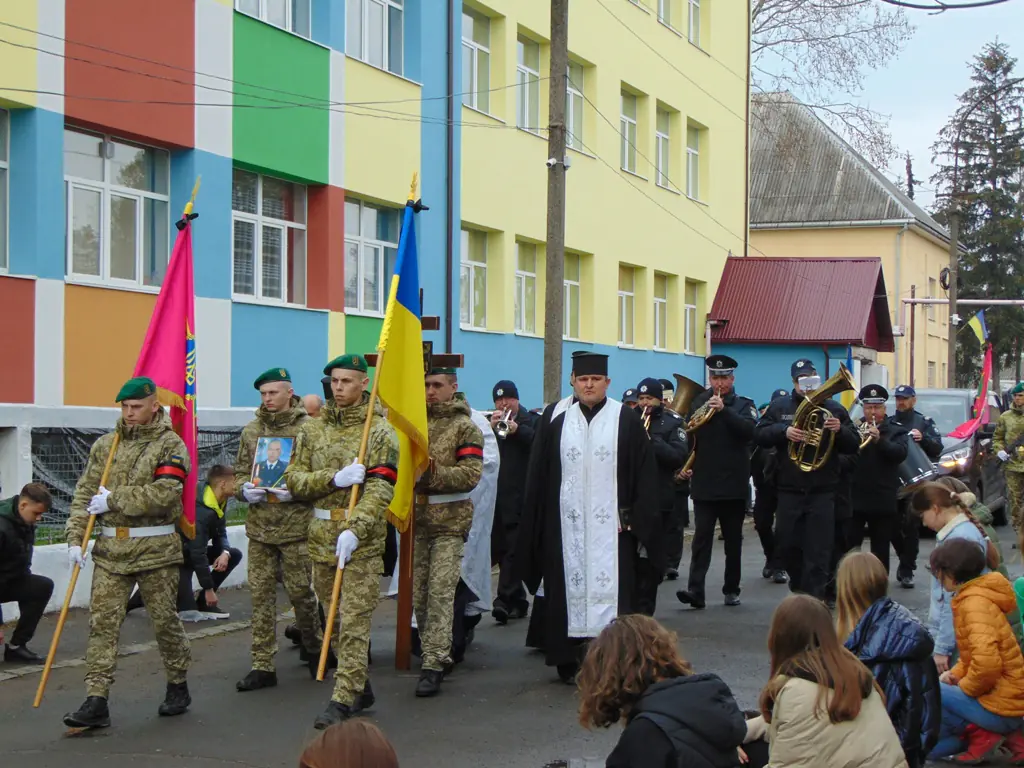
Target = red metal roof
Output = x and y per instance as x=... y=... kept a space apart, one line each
x=802 y=301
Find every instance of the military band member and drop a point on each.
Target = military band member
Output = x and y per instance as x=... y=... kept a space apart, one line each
x=322 y=472
x=444 y=514
x=136 y=514
x=277 y=526
x=763 y=464
x=630 y=398
x=1008 y=445
x=719 y=480
x=679 y=517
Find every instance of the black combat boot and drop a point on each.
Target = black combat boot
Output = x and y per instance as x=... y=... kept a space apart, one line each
x=334 y=714
x=257 y=679
x=92 y=714
x=177 y=700
x=314 y=663
x=429 y=683
x=365 y=700
x=292 y=633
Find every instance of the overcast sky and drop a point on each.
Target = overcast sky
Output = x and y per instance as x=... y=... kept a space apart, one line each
x=919 y=89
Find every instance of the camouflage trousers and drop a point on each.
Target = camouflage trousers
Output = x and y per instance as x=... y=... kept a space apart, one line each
x=107 y=605
x=293 y=559
x=350 y=637
x=436 y=566
x=1015 y=498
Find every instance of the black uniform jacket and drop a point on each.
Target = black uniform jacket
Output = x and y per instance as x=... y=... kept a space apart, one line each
x=771 y=433
x=668 y=441
x=515 y=460
x=931 y=440
x=17 y=539
x=210 y=529
x=721 y=468
x=877 y=477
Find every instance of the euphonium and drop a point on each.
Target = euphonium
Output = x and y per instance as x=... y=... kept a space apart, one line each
x=501 y=429
x=815 y=450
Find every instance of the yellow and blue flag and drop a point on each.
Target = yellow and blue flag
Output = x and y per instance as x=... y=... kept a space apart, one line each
x=848 y=397
x=977 y=324
x=400 y=371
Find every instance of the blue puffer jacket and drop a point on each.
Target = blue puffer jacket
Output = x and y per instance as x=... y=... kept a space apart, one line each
x=897 y=648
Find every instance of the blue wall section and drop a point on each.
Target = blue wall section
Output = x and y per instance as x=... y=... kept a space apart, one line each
x=765 y=368
x=263 y=337
x=328 y=24
x=36 y=193
x=211 y=232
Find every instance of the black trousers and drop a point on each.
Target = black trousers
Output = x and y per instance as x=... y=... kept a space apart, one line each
x=729 y=514
x=511 y=592
x=31 y=593
x=765 y=502
x=881 y=524
x=805 y=531
x=906 y=539
x=678 y=520
x=186 y=597
x=840 y=546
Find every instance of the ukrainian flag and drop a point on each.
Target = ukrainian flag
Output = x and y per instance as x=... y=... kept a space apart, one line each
x=849 y=396
x=977 y=324
x=400 y=371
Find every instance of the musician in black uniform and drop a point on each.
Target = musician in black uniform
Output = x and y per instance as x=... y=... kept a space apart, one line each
x=876 y=480
x=719 y=479
x=629 y=398
x=679 y=520
x=668 y=441
x=763 y=464
x=906 y=538
x=805 y=518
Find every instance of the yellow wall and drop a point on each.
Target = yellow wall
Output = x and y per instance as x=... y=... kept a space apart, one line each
x=19 y=65
x=919 y=258
x=504 y=178
x=335 y=335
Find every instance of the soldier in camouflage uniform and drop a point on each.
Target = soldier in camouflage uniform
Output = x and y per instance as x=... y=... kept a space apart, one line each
x=277 y=526
x=1008 y=443
x=136 y=514
x=444 y=515
x=322 y=472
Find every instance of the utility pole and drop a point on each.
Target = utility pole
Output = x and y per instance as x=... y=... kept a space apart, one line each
x=554 y=263
x=954 y=258
x=913 y=331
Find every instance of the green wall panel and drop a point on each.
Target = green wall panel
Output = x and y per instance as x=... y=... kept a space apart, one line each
x=277 y=139
x=362 y=335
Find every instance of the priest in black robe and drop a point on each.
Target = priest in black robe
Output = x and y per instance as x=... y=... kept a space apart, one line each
x=590 y=513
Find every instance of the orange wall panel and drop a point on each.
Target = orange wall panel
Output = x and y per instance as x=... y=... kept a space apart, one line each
x=17 y=342
x=325 y=268
x=97 y=31
x=103 y=333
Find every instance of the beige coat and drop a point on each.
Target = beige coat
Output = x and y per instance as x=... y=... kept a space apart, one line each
x=800 y=738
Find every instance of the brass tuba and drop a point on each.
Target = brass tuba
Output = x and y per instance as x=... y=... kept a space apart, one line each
x=816 y=449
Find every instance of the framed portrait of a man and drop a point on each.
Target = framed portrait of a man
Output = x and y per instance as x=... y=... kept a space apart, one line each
x=272 y=457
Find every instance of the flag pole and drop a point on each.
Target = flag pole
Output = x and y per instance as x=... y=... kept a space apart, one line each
x=75 y=570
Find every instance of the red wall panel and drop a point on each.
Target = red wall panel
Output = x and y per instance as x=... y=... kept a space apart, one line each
x=325 y=257
x=17 y=342
x=101 y=35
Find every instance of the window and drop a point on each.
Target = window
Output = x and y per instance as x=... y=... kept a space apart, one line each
x=269 y=237
x=694 y=6
x=118 y=212
x=931 y=295
x=931 y=375
x=660 y=311
x=943 y=383
x=526 y=288
x=571 y=301
x=476 y=60
x=665 y=12
x=627 y=276
x=690 y=317
x=371 y=246
x=374 y=33
x=661 y=138
x=628 y=124
x=693 y=162
x=292 y=15
x=574 y=108
x=473 y=279
x=528 y=82
x=3 y=188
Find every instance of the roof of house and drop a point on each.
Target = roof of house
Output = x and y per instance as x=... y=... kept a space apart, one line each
x=802 y=301
x=802 y=172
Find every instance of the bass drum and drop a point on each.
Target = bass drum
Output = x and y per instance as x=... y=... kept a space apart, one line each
x=916 y=469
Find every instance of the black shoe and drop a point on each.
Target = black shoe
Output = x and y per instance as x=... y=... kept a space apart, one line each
x=134 y=602
x=292 y=633
x=92 y=714
x=906 y=579
x=732 y=600
x=215 y=611
x=22 y=655
x=767 y=573
x=314 y=663
x=671 y=574
x=780 y=577
x=429 y=683
x=256 y=679
x=365 y=700
x=334 y=714
x=567 y=673
x=500 y=613
x=177 y=700
x=687 y=598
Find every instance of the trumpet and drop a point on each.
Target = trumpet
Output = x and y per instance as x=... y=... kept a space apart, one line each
x=866 y=438
x=645 y=419
x=503 y=427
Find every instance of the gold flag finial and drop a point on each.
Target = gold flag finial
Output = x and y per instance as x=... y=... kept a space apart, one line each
x=192 y=200
x=414 y=186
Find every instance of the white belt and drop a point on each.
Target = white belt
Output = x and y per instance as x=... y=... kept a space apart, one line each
x=328 y=514
x=447 y=498
x=136 y=533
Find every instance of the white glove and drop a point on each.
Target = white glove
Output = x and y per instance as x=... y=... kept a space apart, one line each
x=99 y=503
x=1003 y=456
x=347 y=544
x=282 y=494
x=351 y=475
x=76 y=556
x=252 y=494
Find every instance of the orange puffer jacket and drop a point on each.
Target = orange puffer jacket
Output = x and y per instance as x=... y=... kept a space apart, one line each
x=991 y=666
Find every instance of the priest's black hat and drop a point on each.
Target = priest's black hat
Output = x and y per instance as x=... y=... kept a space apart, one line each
x=589 y=363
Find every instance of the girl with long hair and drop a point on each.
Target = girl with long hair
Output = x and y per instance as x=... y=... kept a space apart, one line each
x=895 y=646
x=354 y=743
x=822 y=704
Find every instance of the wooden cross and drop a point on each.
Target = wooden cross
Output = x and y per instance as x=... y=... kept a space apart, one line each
x=430 y=360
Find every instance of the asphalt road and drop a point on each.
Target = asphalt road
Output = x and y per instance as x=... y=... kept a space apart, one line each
x=502 y=707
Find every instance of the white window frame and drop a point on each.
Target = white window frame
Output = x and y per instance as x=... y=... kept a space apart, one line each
x=106 y=190
x=473 y=90
x=367 y=242
x=932 y=284
x=690 y=317
x=693 y=22
x=628 y=148
x=627 y=299
x=528 y=82
x=5 y=191
x=363 y=54
x=567 y=286
x=932 y=372
x=289 y=26
x=260 y=221
x=660 y=305
x=693 y=164
x=523 y=277
x=468 y=269
x=574 y=91
x=663 y=149
x=665 y=12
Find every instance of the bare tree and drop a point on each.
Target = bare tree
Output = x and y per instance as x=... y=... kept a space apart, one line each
x=819 y=51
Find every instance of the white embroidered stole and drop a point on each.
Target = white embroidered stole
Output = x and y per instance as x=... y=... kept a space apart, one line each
x=588 y=507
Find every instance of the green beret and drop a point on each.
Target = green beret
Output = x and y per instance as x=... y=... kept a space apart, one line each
x=348 y=362
x=441 y=372
x=136 y=389
x=274 y=374
x=1018 y=389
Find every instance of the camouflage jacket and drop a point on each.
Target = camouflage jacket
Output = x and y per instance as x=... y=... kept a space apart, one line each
x=327 y=444
x=272 y=522
x=1009 y=437
x=145 y=490
x=456 y=448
